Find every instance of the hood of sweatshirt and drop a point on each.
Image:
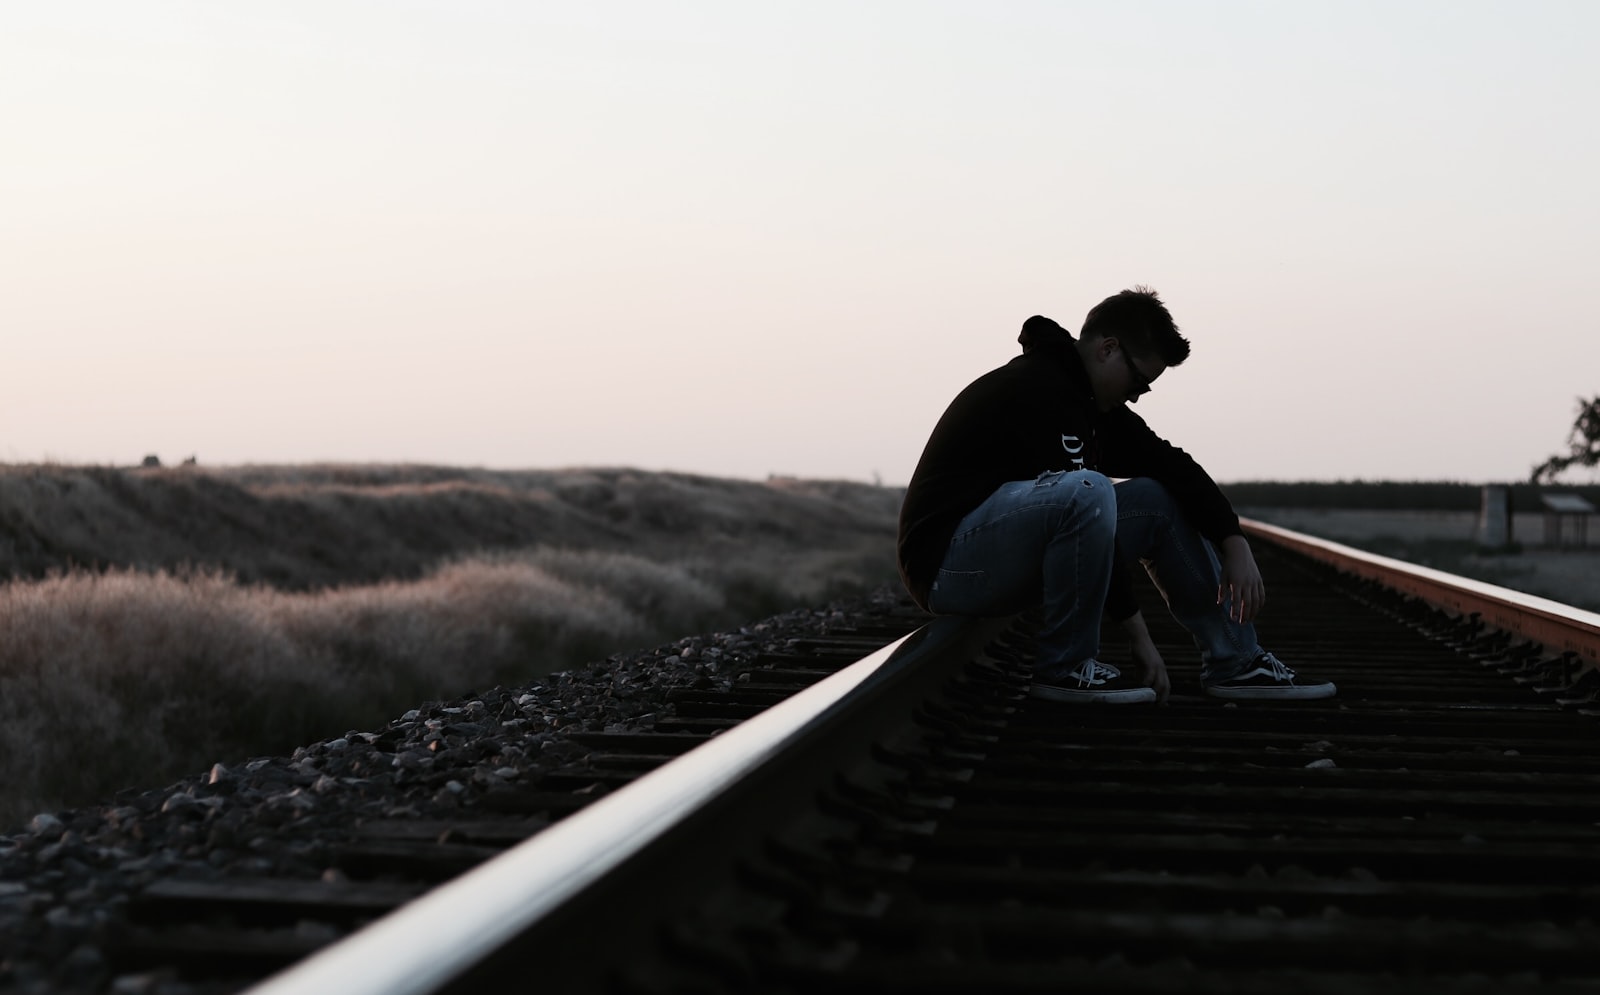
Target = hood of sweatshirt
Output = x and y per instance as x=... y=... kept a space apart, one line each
x=1040 y=334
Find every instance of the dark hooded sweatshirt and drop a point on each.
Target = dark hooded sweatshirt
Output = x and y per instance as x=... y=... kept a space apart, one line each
x=1034 y=415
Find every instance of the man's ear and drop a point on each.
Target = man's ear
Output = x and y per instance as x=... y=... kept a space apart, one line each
x=1107 y=346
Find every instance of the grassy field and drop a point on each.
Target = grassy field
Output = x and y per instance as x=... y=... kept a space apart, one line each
x=1444 y=540
x=156 y=621
x=1391 y=495
x=1434 y=524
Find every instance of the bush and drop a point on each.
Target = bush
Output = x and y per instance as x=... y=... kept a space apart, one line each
x=120 y=678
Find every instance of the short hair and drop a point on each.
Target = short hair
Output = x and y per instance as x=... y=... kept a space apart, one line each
x=1138 y=319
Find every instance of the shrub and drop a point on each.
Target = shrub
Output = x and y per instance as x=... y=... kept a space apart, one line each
x=121 y=678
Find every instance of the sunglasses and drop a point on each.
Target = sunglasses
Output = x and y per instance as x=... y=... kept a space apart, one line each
x=1140 y=380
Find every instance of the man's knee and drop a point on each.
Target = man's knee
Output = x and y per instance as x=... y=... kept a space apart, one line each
x=1145 y=493
x=1083 y=498
x=1059 y=480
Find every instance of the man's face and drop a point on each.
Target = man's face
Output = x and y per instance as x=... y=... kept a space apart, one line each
x=1123 y=377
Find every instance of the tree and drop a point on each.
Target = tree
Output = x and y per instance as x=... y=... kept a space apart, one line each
x=1583 y=443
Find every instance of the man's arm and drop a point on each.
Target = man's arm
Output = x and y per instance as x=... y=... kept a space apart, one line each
x=1240 y=586
x=1133 y=450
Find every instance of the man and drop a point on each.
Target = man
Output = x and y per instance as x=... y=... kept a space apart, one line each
x=1012 y=507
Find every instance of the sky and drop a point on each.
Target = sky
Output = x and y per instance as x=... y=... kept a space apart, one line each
x=750 y=238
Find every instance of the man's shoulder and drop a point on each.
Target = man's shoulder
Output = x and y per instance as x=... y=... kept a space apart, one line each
x=1019 y=383
x=1023 y=370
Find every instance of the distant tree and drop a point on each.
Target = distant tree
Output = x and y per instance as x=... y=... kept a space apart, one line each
x=1583 y=443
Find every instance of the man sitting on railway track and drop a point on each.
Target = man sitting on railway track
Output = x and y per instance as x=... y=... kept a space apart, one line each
x=1012 y=507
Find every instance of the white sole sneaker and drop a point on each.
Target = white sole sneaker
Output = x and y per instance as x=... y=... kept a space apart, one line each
x=1270 y=680
x=1090 y=696
x=1280 y=692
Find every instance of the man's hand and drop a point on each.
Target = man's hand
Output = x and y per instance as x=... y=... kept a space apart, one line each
x=1147 y=662
x=1241 y=589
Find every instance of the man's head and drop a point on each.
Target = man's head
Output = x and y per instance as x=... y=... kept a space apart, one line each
x=1127 y=341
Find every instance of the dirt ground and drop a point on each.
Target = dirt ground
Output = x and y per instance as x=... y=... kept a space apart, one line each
x=1445 y=540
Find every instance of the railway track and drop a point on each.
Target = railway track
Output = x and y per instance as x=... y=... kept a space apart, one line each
x=905 y=819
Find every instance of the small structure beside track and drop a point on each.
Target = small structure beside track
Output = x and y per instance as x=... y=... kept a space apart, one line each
x=1566 y=520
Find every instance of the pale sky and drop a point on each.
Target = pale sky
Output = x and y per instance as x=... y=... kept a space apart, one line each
x=751 y=237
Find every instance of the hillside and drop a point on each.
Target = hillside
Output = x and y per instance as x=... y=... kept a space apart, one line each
x=158 y=620
x=316 y=526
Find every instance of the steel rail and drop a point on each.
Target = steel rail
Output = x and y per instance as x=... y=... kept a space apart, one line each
x=438 y=938
x=1560 y=628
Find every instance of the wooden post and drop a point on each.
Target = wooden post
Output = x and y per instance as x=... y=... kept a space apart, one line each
x=1494 y=517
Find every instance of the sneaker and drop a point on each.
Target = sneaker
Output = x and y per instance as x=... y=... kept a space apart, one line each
x=1092 y=681
x=1268 y=679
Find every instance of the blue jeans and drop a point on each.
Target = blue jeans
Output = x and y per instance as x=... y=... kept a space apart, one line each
x=1048 y=543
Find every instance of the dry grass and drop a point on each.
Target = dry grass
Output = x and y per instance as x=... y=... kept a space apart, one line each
x=307 y=527
x=187 y=617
